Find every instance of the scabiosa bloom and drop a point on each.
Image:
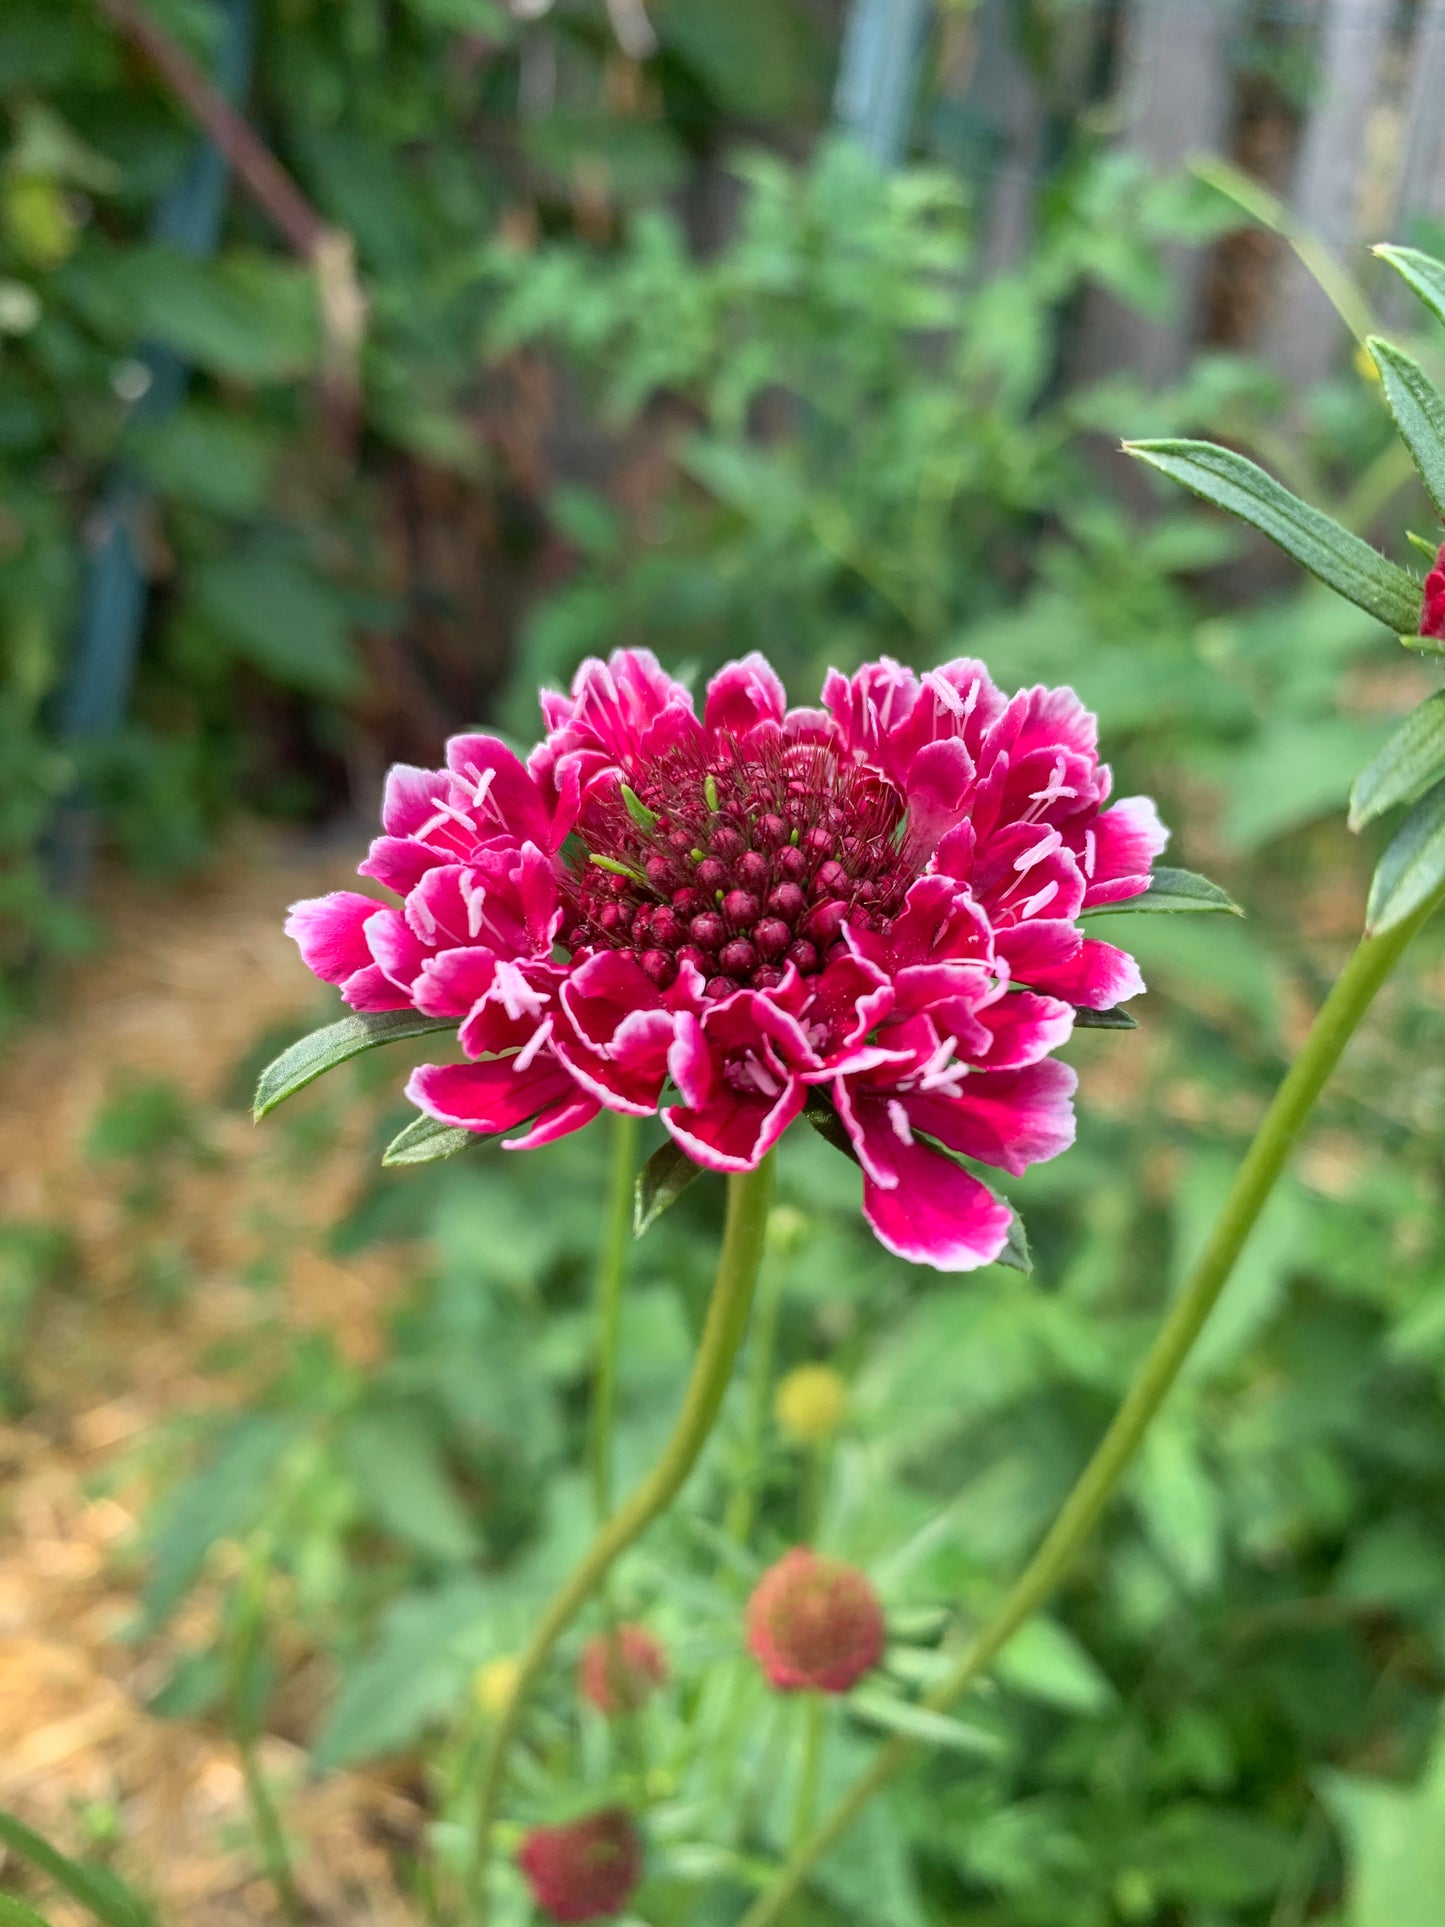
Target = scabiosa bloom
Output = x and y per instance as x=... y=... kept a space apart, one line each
x=586 y=1870
x=873 y=904
x=814 y=1623
x=618 y=1670
x=1432 y=613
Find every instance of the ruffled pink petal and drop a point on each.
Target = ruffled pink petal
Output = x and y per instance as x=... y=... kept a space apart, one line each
x=501 y=796
x=1119 y=849
x=371 y=989
x=1098 y=976
x=330 y=933
x=408 y=804
x=1011 y=1119
x=743 y=695
x=937 y=787
x=737 y=1129
x=921 y=1204
x=452 y=982
x=490 y=1097
x=558 y=1120
x=395 y=948
x=398 y=862
x=870 y=712
x=1023 y=1028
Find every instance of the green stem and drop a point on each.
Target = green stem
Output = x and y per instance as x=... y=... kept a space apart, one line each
x=810 y=1768
x=1339 y=1016
x=738 y=1520
x=749 y=1195
x=611 y=1276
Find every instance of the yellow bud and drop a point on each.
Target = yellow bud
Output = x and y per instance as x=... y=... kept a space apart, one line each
x=810 y=1402
x=494 y=1683
x=38 y=220
x=786 y=1230
x=1365 y=365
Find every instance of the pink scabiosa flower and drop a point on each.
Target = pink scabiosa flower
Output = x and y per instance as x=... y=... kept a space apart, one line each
x=586 y=1870
x=868 y=911
x=814 y=1624
x=1432 y=613
x=618 y=1671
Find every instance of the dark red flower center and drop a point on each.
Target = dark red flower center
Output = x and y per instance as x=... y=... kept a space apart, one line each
x=740 y=863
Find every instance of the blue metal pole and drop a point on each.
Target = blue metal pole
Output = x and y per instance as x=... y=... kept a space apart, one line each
x=878 y=73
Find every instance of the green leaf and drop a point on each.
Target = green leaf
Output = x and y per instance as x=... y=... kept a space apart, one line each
x=1173 y=892
x=271 y=611
x=312 y=1056
x=397 y=1461
x=1413 y=758
x=662 y=1180
x=1395 y=1837
x=920 y=1723
x=97 y=1888
x=1424 y=274
x=826 y=1122
x=1419 y=411
x=220 y=1501
x=1413 y=865
x=430 y=1642
x=1342 y=561
x=1048 y=1663
x=1115 y=1018
x=1016 y=1254
x=425 y=1139
x=13 y=1913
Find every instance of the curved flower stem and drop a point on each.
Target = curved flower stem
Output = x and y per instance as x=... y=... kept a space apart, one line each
x=814 y=1715
x=1339 y=1016
x=749 y=1195
x=611 y=1276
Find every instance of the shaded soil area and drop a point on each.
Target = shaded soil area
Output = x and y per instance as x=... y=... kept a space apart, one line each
x=151 y=1317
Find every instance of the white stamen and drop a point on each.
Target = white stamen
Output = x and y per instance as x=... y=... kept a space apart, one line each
x=1089 y=852
x=533 y=1046
x=483 y=779
x=751 y=1074
x=515 y=994
x=444 y=810
x=1037 y=901
x=422 y=912
x=475 y=894
x=898 y=1118
x=1045 y=846
x=945 y=692
x=1055 y=787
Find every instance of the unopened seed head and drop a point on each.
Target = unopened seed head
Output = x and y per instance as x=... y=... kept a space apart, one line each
x=810 y=1403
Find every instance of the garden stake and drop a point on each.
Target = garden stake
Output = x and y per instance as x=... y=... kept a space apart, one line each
x=1339 y=1017
x=749 y=1195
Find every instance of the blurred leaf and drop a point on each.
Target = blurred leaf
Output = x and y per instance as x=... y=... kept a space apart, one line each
x=1413 y=866
x=425 y=1139
x=1413 y=758
x=1180 y=1501
x=1342 y=561
x=430 y=1643
x=660 y=1182
x=1116 y=1018
x=220 y=1501
x=1395 y=1837
x=1047 y=1662
x=311 y=1056
x=203 y=456
x=280 y=617
x=914 y=1722
x=13 y=1913
x=1297 y=770
x=397 y=1461
x=1215 y=1857
x=97 y=1888
x=1422 y=272
x=1419 y=411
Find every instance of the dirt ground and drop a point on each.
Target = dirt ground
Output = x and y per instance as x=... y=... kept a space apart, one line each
x=186 y=981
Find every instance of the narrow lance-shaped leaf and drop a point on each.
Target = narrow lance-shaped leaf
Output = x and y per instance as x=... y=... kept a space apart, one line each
x=14 y=1913
x=425 y=1139
x=1116 y=1018
x=1342 y=561
x=97 y=1888
x=311 y=1057
x=1413 y=866
x=1423 y=273
x=1171 y=891
x=920 y=1723
x=1413 y=758
x=1419 y=411
x=660 y=1182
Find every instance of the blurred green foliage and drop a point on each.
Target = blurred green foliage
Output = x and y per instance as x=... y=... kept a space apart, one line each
x=825 y=436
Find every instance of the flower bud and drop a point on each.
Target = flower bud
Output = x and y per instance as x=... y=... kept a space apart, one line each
x=1432 y=613
x=494 y=1683
x=814 y=1623
x=619 y=1670
x=810 y=1402
x=586 y=1870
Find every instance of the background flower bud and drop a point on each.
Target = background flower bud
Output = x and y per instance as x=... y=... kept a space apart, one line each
x=810 y=1402
x=586 y=1870
x=494 y=1683
x=618 y=1670
x=814 y=1623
